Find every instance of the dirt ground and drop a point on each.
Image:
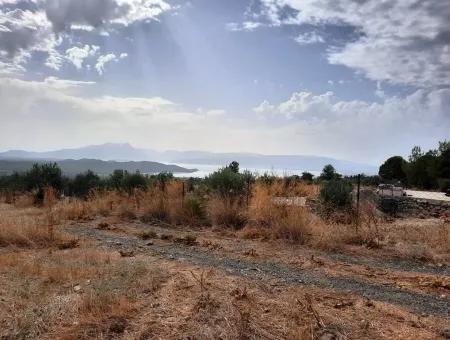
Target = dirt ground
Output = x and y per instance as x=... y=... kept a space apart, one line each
x=133 y=280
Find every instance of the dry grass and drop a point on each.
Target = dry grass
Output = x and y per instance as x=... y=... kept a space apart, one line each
x=59 y=266
x=227 y=212
x=28 y=228
x=267 y=219
x=426 y=240
x=87 y=293
x=171 y=205
x=282 y=187
x=73 y=294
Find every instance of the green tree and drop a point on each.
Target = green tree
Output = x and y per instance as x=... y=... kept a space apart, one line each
x=115 y=180
x=329 y=173
x=83 y=184
x=444 y=164
x=423 y=173
x=393 y=169
x=444 y=146
x=416 y=153
x=307 y=176
x=134 y=181
x=234 y=166
x=41 y=176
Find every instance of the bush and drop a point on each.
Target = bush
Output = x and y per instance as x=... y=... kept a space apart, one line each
x=336 y=194
x=123 y=180
x=307 y=176
x=193 y=210
x=227 y=183
x=389 y=206
x=83 y=184
x=42 y=176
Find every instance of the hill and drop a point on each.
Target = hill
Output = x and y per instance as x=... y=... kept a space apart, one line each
x=71 y=167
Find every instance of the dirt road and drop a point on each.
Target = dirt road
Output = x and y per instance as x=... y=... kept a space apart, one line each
x=416 y=302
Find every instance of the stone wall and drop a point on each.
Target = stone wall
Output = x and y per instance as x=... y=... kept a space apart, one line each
x=422 y=208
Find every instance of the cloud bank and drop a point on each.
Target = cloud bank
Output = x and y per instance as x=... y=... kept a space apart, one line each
x=42 y=25
x=398 y=41
x=61 y=112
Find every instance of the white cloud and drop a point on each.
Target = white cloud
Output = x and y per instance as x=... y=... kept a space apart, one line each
x=245 y=26
x=401 y=41
x=65 y=14
x=309 y=38
x=358 y=129
x=103 y=60
x=23 y=32
x=77 y=55
x=44 y=25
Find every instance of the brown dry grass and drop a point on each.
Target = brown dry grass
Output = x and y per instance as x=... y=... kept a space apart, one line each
x=130 y=297
x=427 y=240
x=29 y=228
x=262 y=219
x=227 y=212
x=73 y=294
x=296 y=224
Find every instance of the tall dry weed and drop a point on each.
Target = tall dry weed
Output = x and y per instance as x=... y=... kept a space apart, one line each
x=293 y=223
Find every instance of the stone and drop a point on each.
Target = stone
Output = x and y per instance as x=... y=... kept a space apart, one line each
x=125 y=253
x=446 y=333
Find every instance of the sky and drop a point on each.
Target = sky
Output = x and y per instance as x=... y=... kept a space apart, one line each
x=353 y=79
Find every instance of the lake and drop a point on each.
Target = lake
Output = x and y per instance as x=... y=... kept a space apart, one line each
x=206 y=169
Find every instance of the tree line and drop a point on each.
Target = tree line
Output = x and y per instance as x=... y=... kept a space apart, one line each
x=423 y=170
x=41 y=176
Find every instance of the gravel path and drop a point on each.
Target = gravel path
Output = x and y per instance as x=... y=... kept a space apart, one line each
x=391 y=264
x=415 y=302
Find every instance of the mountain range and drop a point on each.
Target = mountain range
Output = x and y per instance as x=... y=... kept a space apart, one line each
x=126 y=152
x=72 y=167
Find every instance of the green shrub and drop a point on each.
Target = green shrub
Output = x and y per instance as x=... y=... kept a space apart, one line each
x=336 y=194
x=123 y=180
x=41 y=176
x=83 y=184
x=227 y=183
x=194 y=209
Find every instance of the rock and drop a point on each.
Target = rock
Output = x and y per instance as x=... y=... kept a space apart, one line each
x=343 y=304
x=149 y=243
x=125 y=253
x=446 y=333
x=77 y=289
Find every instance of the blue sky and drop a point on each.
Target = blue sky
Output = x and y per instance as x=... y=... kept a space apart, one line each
x=359 y=80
